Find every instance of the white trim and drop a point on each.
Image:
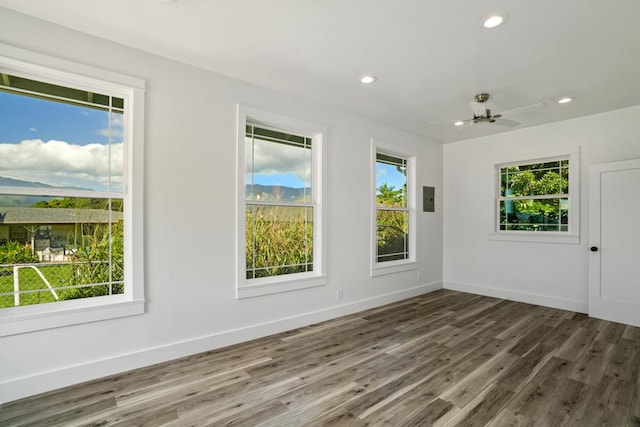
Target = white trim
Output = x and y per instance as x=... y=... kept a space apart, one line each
x=528 y=298
x=40 y=67
x=536 y=237
x=286 y=283
x=17 y=388
x=533 y=156
x=390 y=267
x=256 y=287
x=570 y=237
x=64 y=314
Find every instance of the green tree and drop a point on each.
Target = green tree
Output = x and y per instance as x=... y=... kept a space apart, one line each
x=392 y=225
x=81 y=203
x=534 y=180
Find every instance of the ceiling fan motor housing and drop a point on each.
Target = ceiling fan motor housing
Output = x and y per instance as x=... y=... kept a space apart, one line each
x=482 y=97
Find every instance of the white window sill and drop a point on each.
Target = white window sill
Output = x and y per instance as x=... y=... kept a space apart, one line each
x=268 y=286
x=536 y=237
x=30 y=318
x=392 y=267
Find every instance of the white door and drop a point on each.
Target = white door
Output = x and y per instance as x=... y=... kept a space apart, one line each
x=614 y=241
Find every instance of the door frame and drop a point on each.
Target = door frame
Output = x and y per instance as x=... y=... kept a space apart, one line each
x=598 y=307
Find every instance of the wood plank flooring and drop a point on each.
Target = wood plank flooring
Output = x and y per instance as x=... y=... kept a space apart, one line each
x=446 y=358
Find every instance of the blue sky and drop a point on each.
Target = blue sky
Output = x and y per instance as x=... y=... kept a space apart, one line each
x=63 y=144
x=59 y=144
x=281 y=179
x=384 y=173
x=277 y=164
x=389 y=174
x=289 y=166
x=23 y=117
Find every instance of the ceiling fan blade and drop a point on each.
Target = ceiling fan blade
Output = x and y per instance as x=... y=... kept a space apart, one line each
x=479 y=109
x=526 y=108
x=507 y=122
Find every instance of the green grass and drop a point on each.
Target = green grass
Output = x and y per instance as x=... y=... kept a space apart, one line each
x=58 y=275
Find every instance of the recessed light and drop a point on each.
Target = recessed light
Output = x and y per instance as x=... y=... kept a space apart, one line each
x=564 y=100
x=368 y=79
x=494 y=20
x=459 y=123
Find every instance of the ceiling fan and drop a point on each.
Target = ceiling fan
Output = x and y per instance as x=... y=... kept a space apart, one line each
x=482 y=114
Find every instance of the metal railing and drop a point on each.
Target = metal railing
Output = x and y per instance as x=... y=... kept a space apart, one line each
x=38 y=283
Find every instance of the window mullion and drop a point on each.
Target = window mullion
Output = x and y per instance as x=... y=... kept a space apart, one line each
x=389 y=208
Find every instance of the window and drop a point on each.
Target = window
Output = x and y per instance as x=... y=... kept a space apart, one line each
x=280 y=198
x=535 y=196
x=394 y=212
x=538 y=198
x=68 y=197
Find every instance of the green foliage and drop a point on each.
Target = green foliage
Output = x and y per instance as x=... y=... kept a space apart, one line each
x=392 y=225
x=81 y=203
x=279 y=240
x=519 y=182
x=528 y=184
x=17 y=253
x=100 y=257
x=388 y=196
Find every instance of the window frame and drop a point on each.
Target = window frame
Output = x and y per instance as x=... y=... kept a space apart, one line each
x=247 y=288
x=572 y=236
x=24 y=319
x=395 y=266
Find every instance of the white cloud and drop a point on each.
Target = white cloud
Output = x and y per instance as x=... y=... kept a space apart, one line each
x=33 y=129
x=62 y=164
x=280 y=159
x=116 y=129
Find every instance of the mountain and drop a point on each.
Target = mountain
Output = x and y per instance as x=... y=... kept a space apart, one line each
x=277 y=192
x=17 y=200
x=11 y=182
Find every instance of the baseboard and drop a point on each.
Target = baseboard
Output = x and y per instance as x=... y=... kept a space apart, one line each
x=529 y=298
x=46 y=381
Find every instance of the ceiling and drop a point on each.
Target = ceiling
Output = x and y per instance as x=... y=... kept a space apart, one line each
x=430 y=56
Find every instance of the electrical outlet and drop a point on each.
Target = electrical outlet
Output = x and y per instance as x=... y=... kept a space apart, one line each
x=339 y=294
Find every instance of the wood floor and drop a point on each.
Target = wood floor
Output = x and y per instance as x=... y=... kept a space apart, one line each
x=445 y=358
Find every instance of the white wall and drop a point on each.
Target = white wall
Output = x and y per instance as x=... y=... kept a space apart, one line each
x=539 y=273
x=189 y=223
